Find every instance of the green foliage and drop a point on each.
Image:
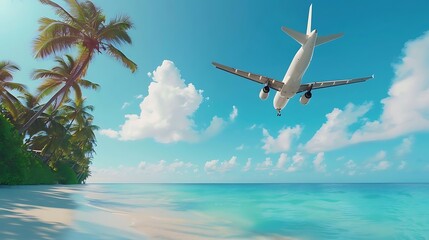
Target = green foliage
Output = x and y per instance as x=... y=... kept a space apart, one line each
x=13 y=160
x=65 y=174
x=20 y=166
x=39 y=173
x=17 y=165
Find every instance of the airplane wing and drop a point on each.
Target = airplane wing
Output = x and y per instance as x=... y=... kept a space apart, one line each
x=273 y=84
x=325 y=84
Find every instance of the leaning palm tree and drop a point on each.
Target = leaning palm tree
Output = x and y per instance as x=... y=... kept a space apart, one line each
x=7 y=99
x=55 y=78
x=82 y=27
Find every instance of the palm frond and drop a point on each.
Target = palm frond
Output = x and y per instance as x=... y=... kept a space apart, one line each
x=116 y=31
x=44 y=73
x=50 y=27
x=77 y=90
x=118 y=55
x=60 y=11
x=46 y=45
x=47 y=87
x=15 y=86
x=88 y=84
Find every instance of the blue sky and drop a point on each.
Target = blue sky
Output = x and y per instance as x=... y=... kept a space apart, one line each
x=178 y=119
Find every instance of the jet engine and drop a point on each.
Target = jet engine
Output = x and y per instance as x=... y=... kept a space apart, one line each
x=263 y=94
x=305 y=98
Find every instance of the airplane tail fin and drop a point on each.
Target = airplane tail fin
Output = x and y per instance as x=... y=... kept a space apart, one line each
x=301 y=38
x=310 y=10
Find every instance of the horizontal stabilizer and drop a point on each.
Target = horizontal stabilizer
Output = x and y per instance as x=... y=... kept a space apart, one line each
x=324 y=39
x=299 y=37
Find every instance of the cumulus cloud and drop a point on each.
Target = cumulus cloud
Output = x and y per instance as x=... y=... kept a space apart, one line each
x=265 y=165
x=318 y=162
x=381 y=155
x=163 y=166
x=282 y=161
x=109 y=132
x=382 y=165
x=334 y=132
x=404 y=110
x=225 y=166
x=166 y=113
x=246 y=168
x=233 y=115
x=402 y=165
x=350 y=168
x=297 y=162
x=126 y=104
x=145 y=171
x=405 y=146
x=379 y=162
x=239 y=148
x=283 y=141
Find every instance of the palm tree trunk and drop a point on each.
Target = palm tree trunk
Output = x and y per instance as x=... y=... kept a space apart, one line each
x=77 y=72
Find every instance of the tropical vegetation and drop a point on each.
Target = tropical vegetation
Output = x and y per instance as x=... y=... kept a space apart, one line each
x=54 y=142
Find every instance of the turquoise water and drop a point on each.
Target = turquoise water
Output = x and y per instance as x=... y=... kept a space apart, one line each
x=263 y=211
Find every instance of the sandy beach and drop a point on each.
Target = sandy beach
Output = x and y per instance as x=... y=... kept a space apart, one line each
x=89 y=212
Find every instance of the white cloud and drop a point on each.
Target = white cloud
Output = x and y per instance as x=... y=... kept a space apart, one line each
x=140 y=96
x=381 y=155
x=266 y=164
x=248 y=165
x=404 y=110
x=239 y=148
x=252 y=127
x=405 y=146
x=233 y=115
x=211 y=165
x=318 y=162
x=163 y=166
x=351 y=168
x=167 y=111
x=109 y=132
x=282 y=161
x=297 y=161
x=126 y=104
x=381 y=166
x=225 y=166
x=378 y=162
x=334 y=132
x=161 y=171
x=216 y=125
x=402 y=165
x=284 y=140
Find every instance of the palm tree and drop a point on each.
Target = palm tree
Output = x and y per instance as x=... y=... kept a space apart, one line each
x=7 y=99
x=49 y=140
x=78 y=111
x=84 y=26
x=58 y=76
x=27 y=107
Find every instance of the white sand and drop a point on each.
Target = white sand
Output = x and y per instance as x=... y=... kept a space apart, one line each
x=87 y=212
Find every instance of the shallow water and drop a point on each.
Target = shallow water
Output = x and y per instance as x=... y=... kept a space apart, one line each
x=233 y=211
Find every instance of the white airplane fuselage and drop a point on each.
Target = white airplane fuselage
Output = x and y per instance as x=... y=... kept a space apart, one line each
x=297 y=68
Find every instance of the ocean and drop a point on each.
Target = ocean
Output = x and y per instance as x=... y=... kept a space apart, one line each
x=215 y=211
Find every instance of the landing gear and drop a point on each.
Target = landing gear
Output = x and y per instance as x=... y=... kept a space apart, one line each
x=278 y=112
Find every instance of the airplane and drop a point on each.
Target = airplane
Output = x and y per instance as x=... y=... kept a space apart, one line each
x=291 y=84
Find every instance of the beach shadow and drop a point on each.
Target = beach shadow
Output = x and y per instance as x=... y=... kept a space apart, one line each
x=15 y=201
